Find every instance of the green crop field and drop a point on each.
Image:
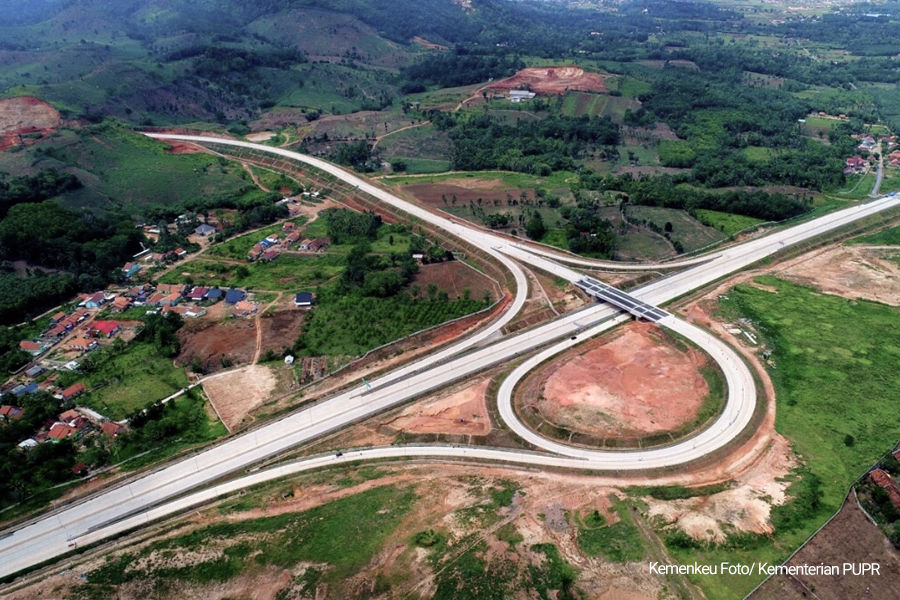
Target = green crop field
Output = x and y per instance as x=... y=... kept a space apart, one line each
x=834 y=370
x=584 y=103
x=559 y=179
x=727 y=223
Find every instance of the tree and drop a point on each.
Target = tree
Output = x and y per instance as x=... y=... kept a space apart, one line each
x=535 y=228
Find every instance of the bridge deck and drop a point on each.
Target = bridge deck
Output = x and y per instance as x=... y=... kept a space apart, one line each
x=621 y=299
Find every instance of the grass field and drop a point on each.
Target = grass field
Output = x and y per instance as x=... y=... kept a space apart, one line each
x=125 y=168
x=415 y=165
x=576 y=104
x=891 y=181
x=637 y=244
x=344 y=534
x=857 y=188
x=727 y=223
x=424 y=142
x=288 y=272
x=619 y=542
x=685 y=229
x=350 y=325
x=132 y=379
x=835 y=375
x=885 y=237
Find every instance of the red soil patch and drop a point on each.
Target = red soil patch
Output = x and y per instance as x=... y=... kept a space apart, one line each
x=462 y=412
x=183 y=148
x=24 y=115
x=553 y=80
x=635 y=384
x=455 y=277
x=233 y=341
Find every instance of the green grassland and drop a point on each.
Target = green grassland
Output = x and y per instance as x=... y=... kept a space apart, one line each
x=123 y=168
x=834 y=370
x=727 y=223
x=637 y=244
x=131 y=379
x=288 y=272
x=691 y=233
x=891 y=181
x=350 y=325
x=619 y=542
x=857 y=187
x=885 y=237
x=416 y=165
x=759 y=154
x=343 y=535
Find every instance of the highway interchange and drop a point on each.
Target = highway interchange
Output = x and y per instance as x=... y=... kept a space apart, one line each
x=179 y=485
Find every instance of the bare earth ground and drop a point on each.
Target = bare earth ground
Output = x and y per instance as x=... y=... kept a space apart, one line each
x=553 y=80
x=238 y=392
x=630 y=384
x=849 y=537
x=853 y=271
x=454 y=277
x=22 y=115
x=280 y=329
x=463 y=411
x=540 y=513
x=233 y=340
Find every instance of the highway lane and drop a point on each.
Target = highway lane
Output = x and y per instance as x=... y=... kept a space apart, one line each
x=48 y=537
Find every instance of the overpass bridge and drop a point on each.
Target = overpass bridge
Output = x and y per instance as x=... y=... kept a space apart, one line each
x=623 y=300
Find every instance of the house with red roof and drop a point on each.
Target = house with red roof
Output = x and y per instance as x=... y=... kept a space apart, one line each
x=198 y=294
x=33 y=348
x=60 y=431
x=72 y=391
x=882 y=479
x=113 y=430
x=121 y=303
x=105 y=329
x=244 y=308
x=57 y=318
x=268 y=256
x=82 y=344
x=8 y=413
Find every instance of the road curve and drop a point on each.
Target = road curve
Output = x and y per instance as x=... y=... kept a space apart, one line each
x=50 y=535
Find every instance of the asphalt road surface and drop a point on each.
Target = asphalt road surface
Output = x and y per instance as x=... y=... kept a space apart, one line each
x=119 y=509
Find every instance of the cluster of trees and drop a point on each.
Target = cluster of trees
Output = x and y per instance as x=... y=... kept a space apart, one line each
x=878 y=502
x=378 y=276
x=663 y=191
x=538 y=147
x=40 y=467
x=35 y=188
x=65 y=251
x=358 y=155
x=346 y=226
x=588 y=233
x=451 y=69
x=11 y=357
x=161 y=330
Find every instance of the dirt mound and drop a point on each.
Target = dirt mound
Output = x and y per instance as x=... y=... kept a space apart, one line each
x=635 y=384
x=553 y=80
x=218 y=345
x=24 y=115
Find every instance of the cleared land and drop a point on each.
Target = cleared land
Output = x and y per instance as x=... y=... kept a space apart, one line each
x=553 y=80
x=25 y=115
x=462 y=412
x=850 y=537
x=633 y=384
x=234 y=395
